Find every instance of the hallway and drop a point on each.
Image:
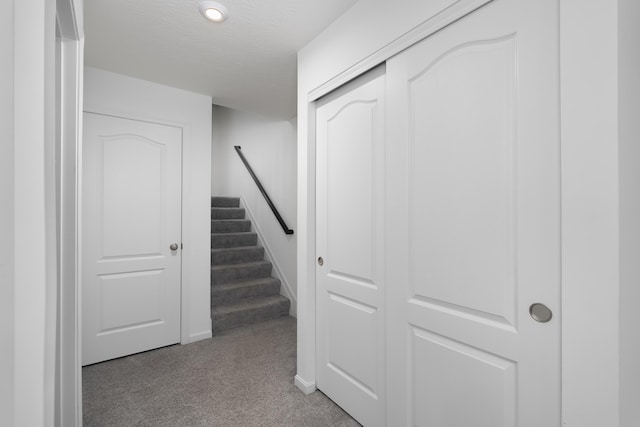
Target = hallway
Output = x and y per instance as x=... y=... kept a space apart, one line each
x=242 y=377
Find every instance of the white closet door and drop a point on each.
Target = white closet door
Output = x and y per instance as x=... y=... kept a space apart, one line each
x=473 y=222
x=131 y=215
x=350 y=241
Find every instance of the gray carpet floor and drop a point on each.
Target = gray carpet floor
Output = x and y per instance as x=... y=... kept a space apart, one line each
x=243 y=377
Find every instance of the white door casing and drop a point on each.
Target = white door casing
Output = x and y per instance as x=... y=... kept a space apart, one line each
x=131 y=214
x=473 y=220
x=350 y=240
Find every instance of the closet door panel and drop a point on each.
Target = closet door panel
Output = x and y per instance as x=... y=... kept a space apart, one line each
x=473 y=222
x=350 y=280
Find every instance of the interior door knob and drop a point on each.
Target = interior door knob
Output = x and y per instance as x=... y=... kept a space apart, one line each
x=540 y=312
x=320 y=261
x=174 y=247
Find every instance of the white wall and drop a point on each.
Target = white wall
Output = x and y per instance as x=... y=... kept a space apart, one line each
x=270 y=148
x=29 y=376
x=600 y=189
x=34 y=280
x=6 y=215
x=629 y=134
x=123 y=96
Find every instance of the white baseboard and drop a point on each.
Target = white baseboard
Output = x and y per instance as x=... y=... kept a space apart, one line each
x=286 y=289
x=305 y=387
x=199 y=336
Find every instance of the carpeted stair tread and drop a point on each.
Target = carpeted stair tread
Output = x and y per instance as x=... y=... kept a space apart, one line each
x=237 y=255
x=222 y=274
x=233 y=240
x=249 y=310
x=227 y=213
x=232 y=293
x=249 y=304
x=225 y=202
x=230 y=225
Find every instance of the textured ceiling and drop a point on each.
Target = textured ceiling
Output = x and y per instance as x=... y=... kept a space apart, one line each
x=247 y=62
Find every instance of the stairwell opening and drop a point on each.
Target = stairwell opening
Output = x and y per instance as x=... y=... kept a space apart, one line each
x=242 y=288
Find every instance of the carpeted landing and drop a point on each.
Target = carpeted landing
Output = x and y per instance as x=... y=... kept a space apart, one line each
x=242 y=377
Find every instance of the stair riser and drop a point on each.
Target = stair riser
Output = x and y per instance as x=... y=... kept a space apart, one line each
x=230 y=241
x=225 y=202
x=237 y=274
x=230 y=226
x=232 y=296
x=250 y=316
x=237 y=256
x=227 y=213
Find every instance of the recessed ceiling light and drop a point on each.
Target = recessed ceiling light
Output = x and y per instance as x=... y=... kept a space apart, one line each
x=213 y=11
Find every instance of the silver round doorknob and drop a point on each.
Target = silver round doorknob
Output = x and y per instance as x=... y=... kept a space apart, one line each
x=540 y=312
x=174 y=247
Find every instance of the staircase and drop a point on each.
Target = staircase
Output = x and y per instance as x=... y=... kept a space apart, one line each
x=242 y=289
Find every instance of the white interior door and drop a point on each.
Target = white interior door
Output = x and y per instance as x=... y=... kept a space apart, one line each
x=474 y=222
x=131 y=215
x=350 y=241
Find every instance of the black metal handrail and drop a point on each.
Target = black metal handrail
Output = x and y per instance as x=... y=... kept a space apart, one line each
x=286 y=229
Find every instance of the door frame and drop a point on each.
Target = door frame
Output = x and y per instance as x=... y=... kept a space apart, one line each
x=70 y=21
x=585 y=153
